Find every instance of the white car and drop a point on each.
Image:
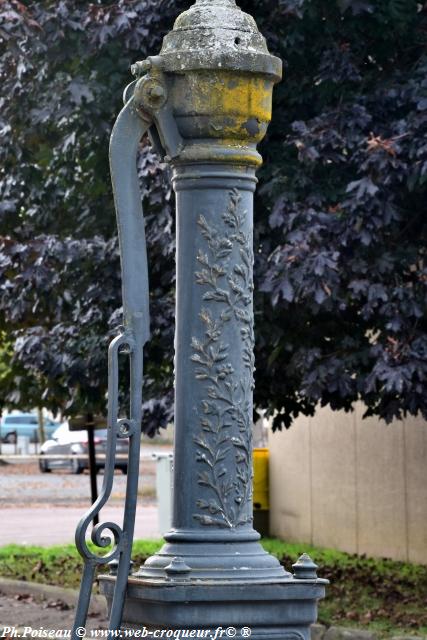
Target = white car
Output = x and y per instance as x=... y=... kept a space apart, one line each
x=75 y=444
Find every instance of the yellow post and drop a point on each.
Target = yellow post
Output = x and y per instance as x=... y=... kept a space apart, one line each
x=261 y=496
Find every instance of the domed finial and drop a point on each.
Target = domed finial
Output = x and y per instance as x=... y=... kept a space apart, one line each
x=218 y=35
x=304 y=568
x=177 y=567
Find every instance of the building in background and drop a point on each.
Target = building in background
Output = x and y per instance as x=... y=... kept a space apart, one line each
x=357 y=485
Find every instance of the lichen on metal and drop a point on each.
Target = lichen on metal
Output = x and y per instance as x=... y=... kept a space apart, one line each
x=217 y=35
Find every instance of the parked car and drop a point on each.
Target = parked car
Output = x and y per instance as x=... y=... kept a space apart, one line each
x=25 y=424
x=75 y=443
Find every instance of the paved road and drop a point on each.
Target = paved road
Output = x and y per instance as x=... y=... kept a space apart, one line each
x=56 y=525
x=44 y=509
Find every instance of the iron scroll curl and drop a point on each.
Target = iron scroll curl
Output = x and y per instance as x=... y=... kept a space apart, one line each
x=124 y=143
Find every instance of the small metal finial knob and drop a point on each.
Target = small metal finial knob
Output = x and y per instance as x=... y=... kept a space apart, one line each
x=114 y=565
x=177 y=567
x=304 y=568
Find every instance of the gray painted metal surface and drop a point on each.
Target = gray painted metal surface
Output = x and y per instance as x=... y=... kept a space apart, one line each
x=206 y=100
x=125 y=138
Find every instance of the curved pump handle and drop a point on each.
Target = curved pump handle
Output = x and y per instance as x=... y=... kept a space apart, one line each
x=124 y=143
x=146 y=109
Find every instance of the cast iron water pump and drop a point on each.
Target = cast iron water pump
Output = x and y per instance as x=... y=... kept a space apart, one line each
x=205 y=101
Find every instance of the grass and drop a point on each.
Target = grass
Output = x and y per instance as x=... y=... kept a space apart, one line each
x=381 y=595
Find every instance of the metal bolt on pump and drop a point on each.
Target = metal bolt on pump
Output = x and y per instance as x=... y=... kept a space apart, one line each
x=205 y=101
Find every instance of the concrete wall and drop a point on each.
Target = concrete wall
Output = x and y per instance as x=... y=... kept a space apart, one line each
x=357 y=485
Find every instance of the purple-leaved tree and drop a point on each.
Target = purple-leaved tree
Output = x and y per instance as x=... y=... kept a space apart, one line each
x=340 y=246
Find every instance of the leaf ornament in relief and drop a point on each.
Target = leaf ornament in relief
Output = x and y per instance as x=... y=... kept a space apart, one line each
x=226 y=410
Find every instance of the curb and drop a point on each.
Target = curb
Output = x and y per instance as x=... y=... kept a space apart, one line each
x=9 y=587
x=320 y=632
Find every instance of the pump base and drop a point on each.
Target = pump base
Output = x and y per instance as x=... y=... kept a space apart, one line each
x=272 y=610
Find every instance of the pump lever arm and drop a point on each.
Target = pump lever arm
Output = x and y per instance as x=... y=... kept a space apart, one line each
x=124 y=143
x=125 y=138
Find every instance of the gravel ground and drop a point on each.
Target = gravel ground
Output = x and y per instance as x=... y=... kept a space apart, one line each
x=22 y=483
x=24 y=610
x=28 y=486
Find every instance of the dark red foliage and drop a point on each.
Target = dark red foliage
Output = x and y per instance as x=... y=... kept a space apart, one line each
x=341 y=268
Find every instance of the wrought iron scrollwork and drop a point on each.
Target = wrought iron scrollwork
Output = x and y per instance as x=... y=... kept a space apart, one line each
x=125 y=138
